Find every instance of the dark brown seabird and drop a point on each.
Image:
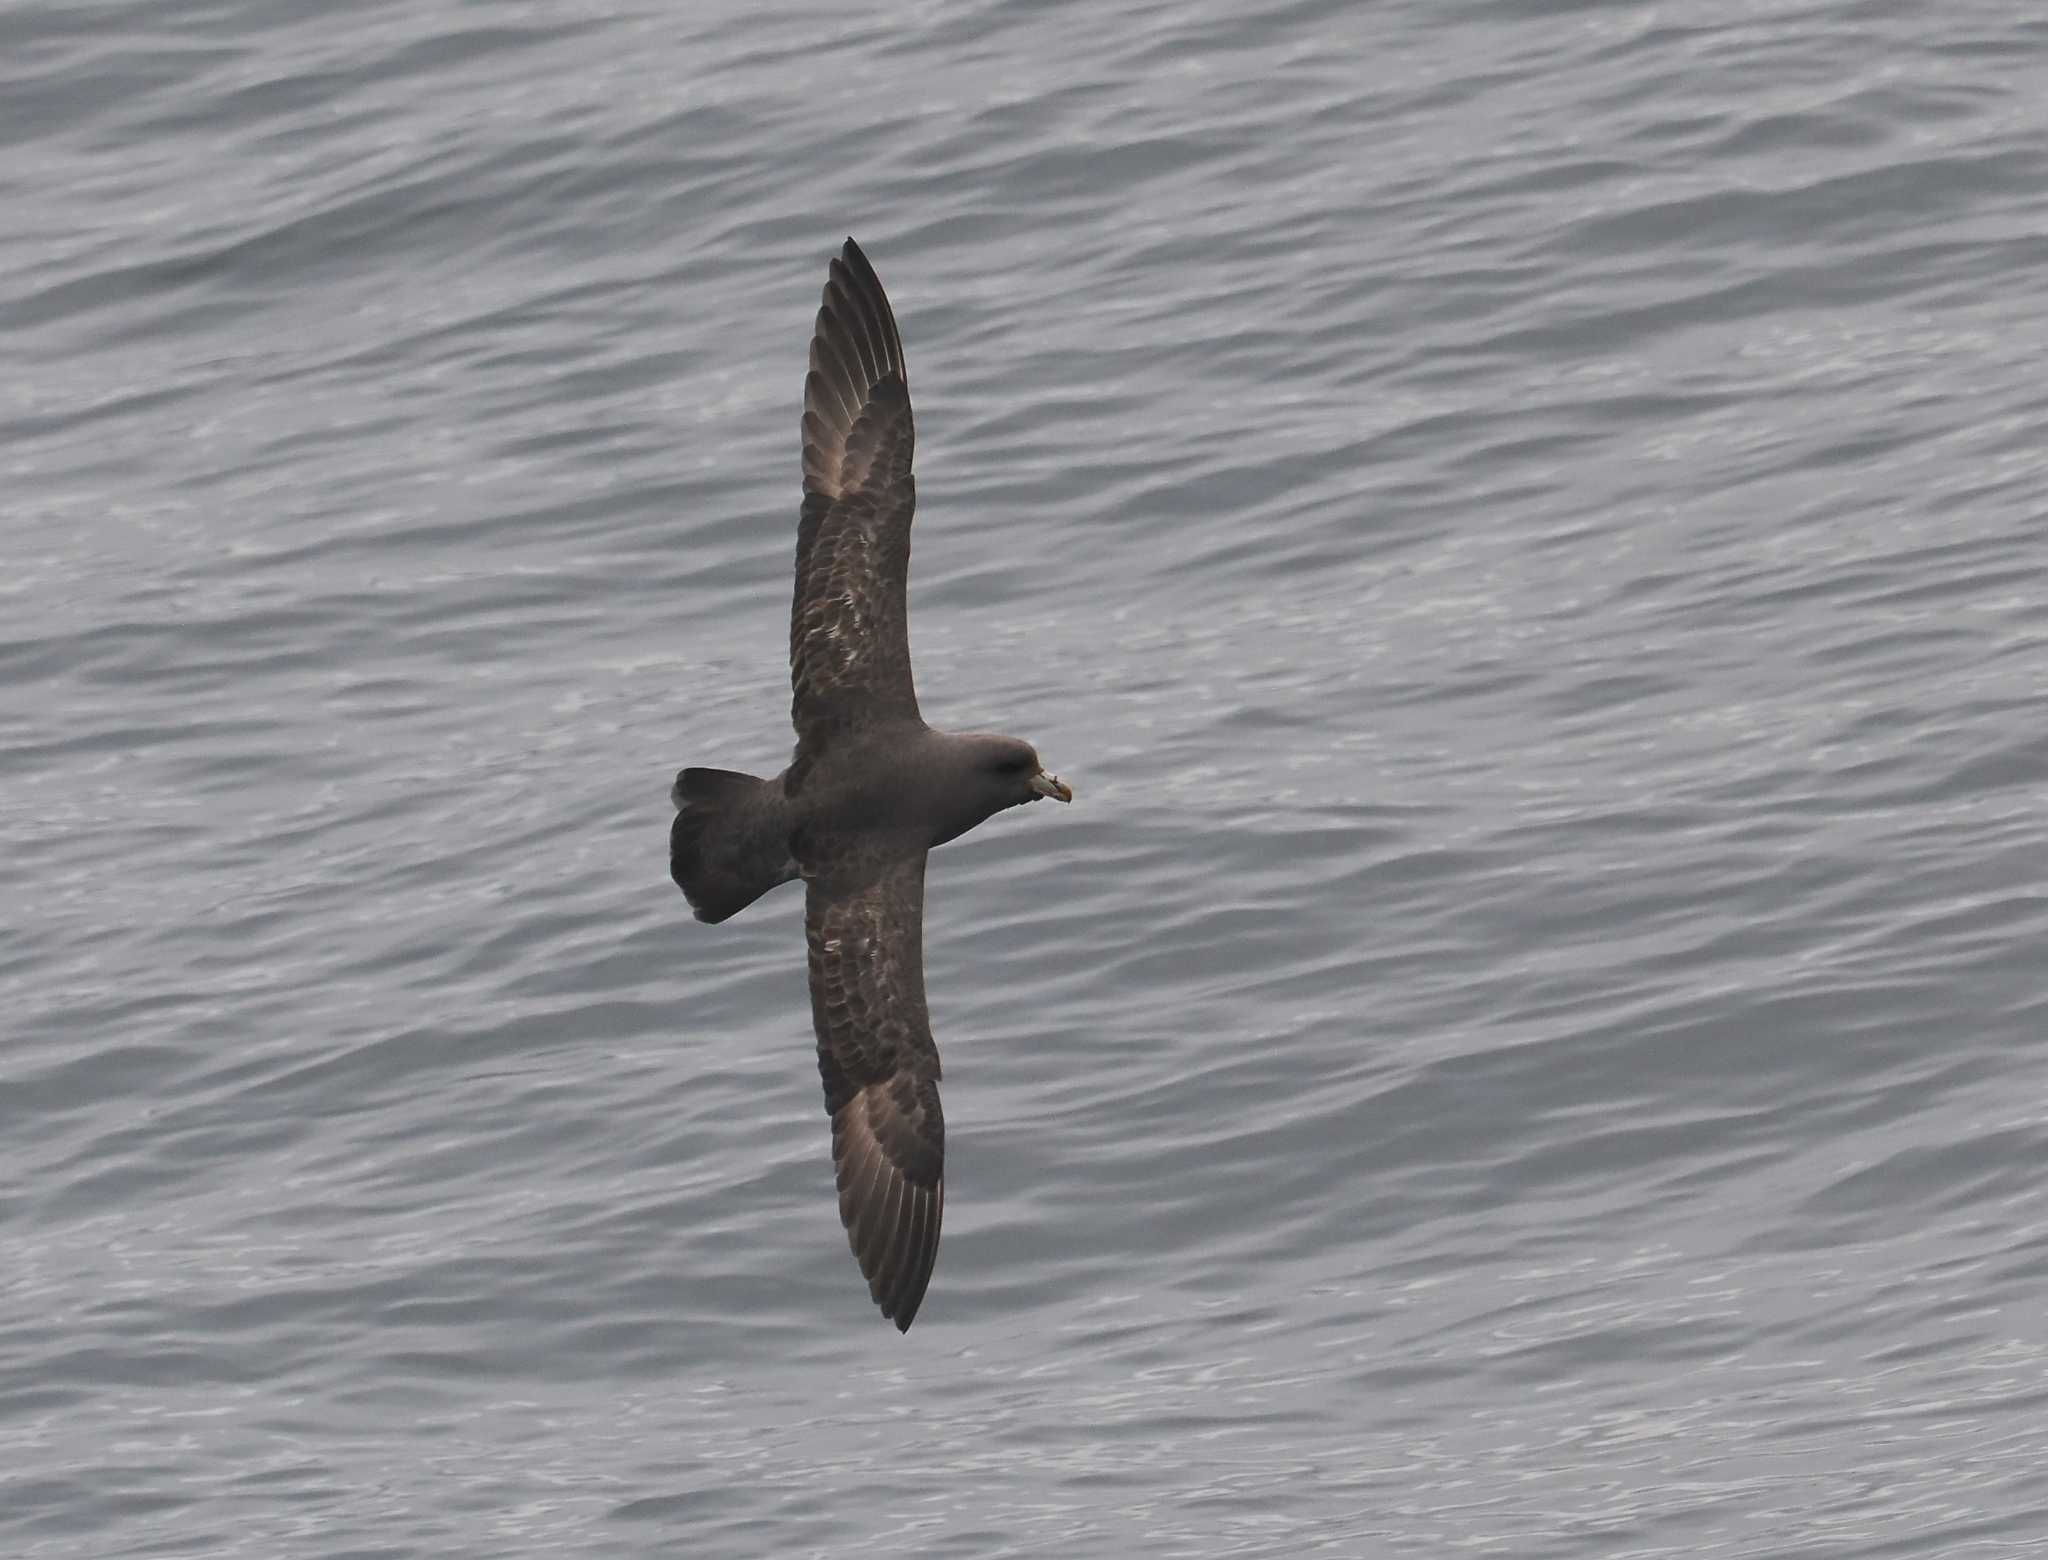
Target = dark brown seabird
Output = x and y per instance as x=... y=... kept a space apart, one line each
x=871 y=789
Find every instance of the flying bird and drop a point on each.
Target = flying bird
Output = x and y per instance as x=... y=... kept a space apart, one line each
x=869 y=792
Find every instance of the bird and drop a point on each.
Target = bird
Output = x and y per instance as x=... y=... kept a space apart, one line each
x=869 y=792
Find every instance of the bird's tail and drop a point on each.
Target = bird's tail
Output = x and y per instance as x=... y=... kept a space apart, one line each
x=730 y=842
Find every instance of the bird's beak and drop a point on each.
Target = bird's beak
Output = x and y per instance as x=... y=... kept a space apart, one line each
x=1052 y=786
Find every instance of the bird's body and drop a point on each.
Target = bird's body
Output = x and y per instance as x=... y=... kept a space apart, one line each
x=871 y=789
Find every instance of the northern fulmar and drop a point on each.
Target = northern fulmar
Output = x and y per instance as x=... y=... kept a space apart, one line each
x=870 y=790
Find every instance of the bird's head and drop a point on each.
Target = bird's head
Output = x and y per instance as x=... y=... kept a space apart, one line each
x=981 y=774
x=1009 y=774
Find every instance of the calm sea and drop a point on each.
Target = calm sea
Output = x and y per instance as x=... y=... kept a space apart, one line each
x=1524 y=524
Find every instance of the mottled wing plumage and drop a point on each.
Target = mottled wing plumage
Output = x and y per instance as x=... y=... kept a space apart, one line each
x=881 y=1074
x=849 y=638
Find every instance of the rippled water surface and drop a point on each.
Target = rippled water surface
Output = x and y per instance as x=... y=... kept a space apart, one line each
x=1523 y=522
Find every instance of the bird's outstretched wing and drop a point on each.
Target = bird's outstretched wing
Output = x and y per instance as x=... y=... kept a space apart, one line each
x=881 y=1072
x=849 y=638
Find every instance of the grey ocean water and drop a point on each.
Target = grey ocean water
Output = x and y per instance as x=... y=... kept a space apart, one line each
x=1523 y=523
